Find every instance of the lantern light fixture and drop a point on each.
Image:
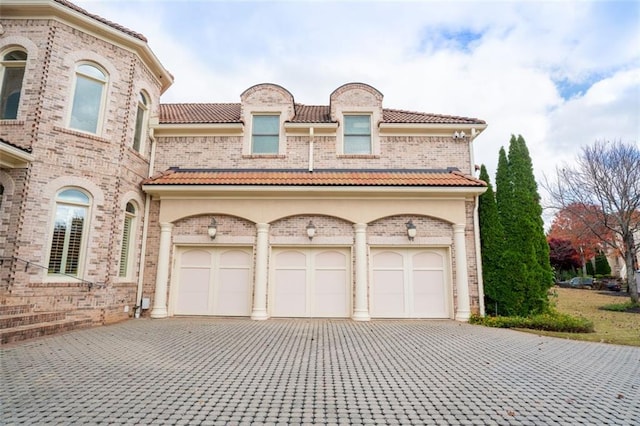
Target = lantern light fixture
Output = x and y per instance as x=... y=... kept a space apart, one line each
x=411 y=230
x=311 y=230
x=212 y=229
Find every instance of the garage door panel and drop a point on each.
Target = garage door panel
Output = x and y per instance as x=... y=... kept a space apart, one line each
x=290 y=298
x=428 y=294
x=214 y=281
x=193 y=298
x=388 y=294
x=409 y=283
x=310 y=282
x=234 y=292
x=428 y=260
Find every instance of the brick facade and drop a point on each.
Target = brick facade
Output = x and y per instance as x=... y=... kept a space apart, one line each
x=107 y=168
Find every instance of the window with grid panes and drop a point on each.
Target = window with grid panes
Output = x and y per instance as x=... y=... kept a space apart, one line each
x=357 y=134
x=265 y=134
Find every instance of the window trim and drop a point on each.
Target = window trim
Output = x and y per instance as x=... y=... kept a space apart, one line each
x=253 y=134
x=374 y=133
x=247 y=144
x=64 y=275
x=103 y=96
x=4 y=64
x=345 y=136
x=143 y=104
x=127 y=249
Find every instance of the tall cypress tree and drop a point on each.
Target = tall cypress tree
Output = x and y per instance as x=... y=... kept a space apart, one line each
x=492 y=246
x=513 y=275
x=527 y=270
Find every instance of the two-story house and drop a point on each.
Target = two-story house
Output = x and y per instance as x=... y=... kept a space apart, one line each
x=262 y=208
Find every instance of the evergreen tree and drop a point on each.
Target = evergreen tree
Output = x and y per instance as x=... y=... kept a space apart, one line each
x=491 y=243
x=602 y=265
x=526 y=272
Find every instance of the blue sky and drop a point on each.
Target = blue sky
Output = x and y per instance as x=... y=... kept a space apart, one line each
x=561 y=73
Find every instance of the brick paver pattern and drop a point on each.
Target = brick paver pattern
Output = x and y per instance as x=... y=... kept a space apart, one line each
x=238 y=371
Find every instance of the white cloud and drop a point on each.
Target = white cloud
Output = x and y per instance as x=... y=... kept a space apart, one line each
x=415 y=53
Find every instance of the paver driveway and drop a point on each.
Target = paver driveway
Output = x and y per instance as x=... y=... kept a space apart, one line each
x=238 y=371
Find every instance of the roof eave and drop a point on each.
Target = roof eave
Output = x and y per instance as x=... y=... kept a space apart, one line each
x=196 y=129
x=14 y=158
x=190 y=190
x=46 y=9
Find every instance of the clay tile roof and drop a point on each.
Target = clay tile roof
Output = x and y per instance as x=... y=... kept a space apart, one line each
x=401 y=116
x=199 y=113
x=203 y=113
x=415 y=178
x=312 y=114
x=114 y=25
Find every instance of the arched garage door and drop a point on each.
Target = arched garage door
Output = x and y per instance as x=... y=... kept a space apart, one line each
x=213 y=281
x=310 y=282
x=409 y=283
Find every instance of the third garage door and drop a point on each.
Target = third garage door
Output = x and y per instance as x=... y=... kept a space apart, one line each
x=409 y=283
x=310 y=282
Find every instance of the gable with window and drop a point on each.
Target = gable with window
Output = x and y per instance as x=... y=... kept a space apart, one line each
x=69 y=232
x=88 y=98
x=12 y=74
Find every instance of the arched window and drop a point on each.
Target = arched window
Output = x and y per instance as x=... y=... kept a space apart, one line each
x=67 y=244
x=141 y=121
x=128 y=229
x=12 y=73
x=88 y=98
x=1 y=194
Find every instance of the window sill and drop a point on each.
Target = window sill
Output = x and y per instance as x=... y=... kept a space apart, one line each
x=263 y=156
x=12 y=122
x=369 y=156
x=80 y=134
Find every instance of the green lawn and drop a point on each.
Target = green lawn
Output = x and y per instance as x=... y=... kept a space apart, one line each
x=610 y=327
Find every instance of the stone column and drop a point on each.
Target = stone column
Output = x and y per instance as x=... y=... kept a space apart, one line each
x=361 y=308
x=462 y=273
x=262 y=263
x=162 y=272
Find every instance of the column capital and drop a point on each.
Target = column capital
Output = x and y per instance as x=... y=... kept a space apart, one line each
x=360 y=227
x=459 y=227
x=262 y=227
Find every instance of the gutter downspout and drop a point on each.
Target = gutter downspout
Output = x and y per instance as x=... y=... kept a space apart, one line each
x=145 y=228
x=476 y=228
x=311 y=149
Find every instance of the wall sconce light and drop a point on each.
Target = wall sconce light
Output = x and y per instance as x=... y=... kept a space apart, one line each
x=459 y=135
x=411 y=230
x=212 y=229
x=311 y=230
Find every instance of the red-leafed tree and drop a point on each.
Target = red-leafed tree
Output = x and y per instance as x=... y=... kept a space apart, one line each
x=563 y=255
x=604 y=183
x=580 y=225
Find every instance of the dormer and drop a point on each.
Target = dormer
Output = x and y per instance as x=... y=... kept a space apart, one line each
x=357 y=108
x=264 y=109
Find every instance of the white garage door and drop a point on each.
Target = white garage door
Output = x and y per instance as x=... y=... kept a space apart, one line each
x=214 y=281
x=310 y=283
x=409 y=283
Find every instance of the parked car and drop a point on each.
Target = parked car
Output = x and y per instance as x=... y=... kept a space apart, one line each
x=609 y=284
x=577 y=282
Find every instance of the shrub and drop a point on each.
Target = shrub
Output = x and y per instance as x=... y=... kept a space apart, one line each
x=622 y=307
x=550 y=321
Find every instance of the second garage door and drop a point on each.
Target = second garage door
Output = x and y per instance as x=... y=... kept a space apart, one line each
x=310 y=282
x=409 y=283
x=213 y=281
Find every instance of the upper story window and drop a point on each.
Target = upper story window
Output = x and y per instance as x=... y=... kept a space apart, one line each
x=265 y=134
x=88 y=98
x=127 y=238
x=141 y=121
x=357 y=134
x=11 y=73
x=67 y=243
